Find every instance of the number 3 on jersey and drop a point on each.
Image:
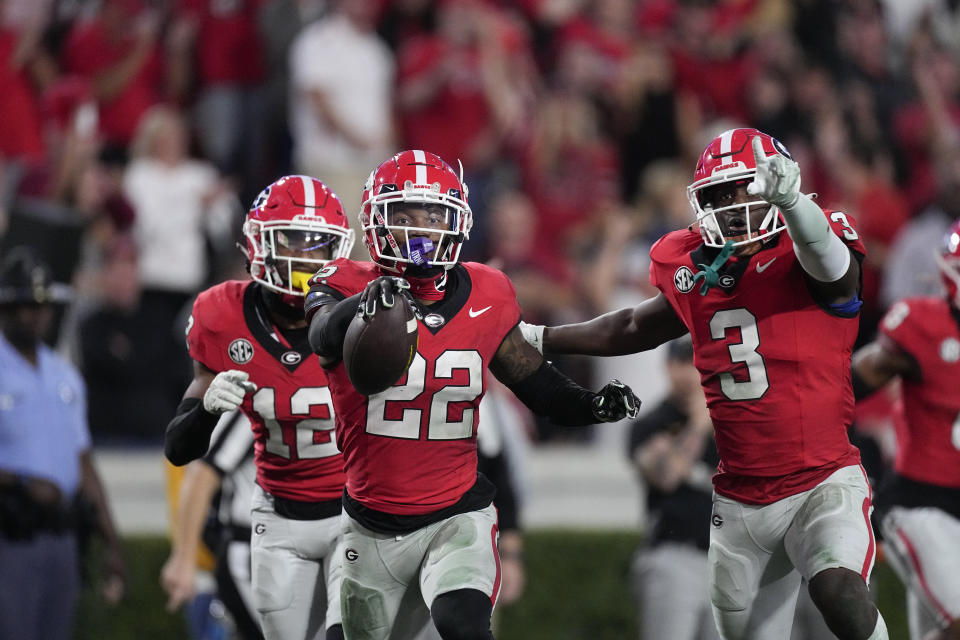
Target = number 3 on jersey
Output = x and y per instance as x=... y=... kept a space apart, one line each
x=744 y=351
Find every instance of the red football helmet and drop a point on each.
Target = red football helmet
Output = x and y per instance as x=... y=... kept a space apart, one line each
x=948 y=259
x=729 y=159
x=295 y=226
x=422 y=178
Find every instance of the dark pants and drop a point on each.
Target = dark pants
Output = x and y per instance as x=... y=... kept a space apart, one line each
x=39 y=587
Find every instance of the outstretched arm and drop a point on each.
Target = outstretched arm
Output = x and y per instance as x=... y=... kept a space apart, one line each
x=648 y=325
x=548 y=392
x=877 y=363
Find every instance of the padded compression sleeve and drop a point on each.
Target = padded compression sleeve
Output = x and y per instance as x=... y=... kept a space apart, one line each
x=821 y=253
x=548 y=392
x=188 y=434
x=327 y=331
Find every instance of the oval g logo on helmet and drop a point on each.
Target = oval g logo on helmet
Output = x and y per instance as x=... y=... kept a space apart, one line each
x=782 y=150
x=240 y=351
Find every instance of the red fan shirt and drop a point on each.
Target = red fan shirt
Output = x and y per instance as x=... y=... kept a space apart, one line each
x=291 y=412
x=928 y=433
x=412 y=449
x=774 y=364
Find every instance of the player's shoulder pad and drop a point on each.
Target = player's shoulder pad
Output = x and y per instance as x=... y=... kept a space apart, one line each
x=345 y=275
x=490 y=280
x=845 y=226
x=210 y=306
x=675 y=246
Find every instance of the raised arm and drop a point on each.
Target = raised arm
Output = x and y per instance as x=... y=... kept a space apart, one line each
x=648 y=325
x=831 y=270
x=548 y=392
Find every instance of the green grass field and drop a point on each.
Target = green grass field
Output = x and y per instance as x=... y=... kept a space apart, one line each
x=577 y=590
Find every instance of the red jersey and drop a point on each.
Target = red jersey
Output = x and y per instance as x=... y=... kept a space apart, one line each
x=412 y=449
x=291 y=412
x=928 y=433
x=774 y=364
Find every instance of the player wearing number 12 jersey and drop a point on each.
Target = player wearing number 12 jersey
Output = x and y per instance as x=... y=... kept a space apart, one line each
x=421 y=532
x=248 y=340
x=773 y=317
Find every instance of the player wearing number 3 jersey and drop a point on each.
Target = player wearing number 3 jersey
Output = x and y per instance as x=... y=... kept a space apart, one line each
x=773 y=317
x=249 y=344
x=421 y=533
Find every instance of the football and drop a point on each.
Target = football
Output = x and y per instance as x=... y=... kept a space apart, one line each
x=378 y=350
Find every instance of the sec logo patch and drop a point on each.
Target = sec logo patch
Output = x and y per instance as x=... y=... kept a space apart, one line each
x=683 y=279
x=240 y=351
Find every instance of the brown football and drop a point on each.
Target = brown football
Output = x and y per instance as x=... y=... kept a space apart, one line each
x=378 y=350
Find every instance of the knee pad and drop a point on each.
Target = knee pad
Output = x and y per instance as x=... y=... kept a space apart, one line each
x=364 y=611
x=462 y=615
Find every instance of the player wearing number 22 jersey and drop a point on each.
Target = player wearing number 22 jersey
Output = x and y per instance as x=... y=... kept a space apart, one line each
x=773 y=317
x=420 y=539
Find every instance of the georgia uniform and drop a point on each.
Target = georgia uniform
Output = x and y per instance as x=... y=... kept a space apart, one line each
x=297 y=458
x=775 y=367
x=411 y=451
x=920 y=499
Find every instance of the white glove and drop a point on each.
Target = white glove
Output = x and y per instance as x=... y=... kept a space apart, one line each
x=777 y=180
x=226 y=391
x=533 y=333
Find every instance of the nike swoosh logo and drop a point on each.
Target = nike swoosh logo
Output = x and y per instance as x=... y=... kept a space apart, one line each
x=762 y=267
x=474 y=314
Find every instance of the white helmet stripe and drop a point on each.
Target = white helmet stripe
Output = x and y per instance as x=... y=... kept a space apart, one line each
x=309 y=194
x=421 y=158
x=726 y=139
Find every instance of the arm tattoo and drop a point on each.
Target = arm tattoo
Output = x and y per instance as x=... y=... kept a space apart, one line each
x=515 y=359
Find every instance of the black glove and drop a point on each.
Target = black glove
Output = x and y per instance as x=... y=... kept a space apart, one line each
x=384 y=289
x=615 y=402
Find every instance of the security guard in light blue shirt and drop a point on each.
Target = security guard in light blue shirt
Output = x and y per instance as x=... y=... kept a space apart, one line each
x=48 y=483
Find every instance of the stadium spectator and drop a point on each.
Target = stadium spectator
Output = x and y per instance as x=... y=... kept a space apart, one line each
x=117 y=50
x=342 y=86
x=50 y=493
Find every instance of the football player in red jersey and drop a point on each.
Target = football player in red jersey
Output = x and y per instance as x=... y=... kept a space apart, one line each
x=773 y=324
x=249 y=344
x=918 y=504
x=420 y=540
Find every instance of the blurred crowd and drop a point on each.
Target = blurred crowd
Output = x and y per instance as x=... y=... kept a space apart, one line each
x=137 y=132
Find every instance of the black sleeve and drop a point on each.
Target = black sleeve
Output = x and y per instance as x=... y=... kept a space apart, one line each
x=188 y=434
x=498 y=472
x=327 y=330
x=548 y=392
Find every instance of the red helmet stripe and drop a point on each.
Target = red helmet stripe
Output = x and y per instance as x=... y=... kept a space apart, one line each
x=309 y=194
x=421 y=159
